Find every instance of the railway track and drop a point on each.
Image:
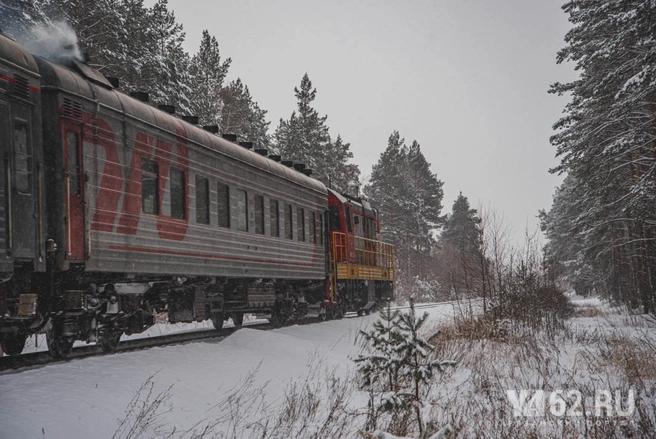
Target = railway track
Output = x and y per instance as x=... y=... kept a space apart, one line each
x=15 y=364
x=18 y=363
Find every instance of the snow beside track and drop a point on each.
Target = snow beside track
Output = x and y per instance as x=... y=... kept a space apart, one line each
x=88 y=397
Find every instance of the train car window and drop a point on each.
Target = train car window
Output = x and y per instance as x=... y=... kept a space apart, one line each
x=202 y=200
x=149 y=186
x=334 y=219
x=275 y=220
x=347 y=214
x=313 y=227
x=242 y=211
x=320 y=229
x=288 y=222
x=22 y=157
x=224 y=204
x=259 y=214
x=178 y=195
x=300 y=224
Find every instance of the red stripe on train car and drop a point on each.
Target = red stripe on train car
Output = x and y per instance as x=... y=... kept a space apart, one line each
x=209 y=256
x=13 y=81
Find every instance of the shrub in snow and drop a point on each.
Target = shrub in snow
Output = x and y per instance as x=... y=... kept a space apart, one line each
x=396 y=370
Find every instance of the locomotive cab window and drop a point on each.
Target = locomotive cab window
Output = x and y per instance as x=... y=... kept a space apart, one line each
x=334 y=219
x=275 y=221
x=300 y=224
x=202 y=200
x=224 y=204
x=347 y=214
x=178 y=202
x=149 y=186
x=321 y=229
x=22 y=157
x=259 y=214
x=242 y=210
x=288 y=222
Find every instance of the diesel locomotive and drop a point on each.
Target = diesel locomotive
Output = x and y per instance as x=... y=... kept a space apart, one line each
x=113 y=210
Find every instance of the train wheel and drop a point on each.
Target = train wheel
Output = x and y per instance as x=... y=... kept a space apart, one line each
x=13 y=344
x=59 y=345
x=110 y=340
x=323 y=315
x=238 y=319
x=217 y=320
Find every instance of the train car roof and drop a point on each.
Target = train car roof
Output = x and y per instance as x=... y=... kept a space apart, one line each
x=342 y=198
x=64 y=78
x=16 y=54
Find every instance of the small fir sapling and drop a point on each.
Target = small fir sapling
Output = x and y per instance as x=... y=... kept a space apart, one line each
x=397 y=369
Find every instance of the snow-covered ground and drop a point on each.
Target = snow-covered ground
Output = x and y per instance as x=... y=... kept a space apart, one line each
x=190 y=386
x=88 y=398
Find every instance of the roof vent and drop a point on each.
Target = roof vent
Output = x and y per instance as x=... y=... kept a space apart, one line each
x=247 y=145
x=262 y=151
x=191 y=119
x=72 y=109
x=229 y=137
x=299 y=166
x=288 y=163
x=141 y=95
x=21 y=86
x=275 y=158
x=114 y=81
x=307 y=171
x=214 y=129
x=90 y=73
x=167 y=108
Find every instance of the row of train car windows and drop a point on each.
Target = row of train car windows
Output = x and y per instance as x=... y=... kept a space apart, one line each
x=150 y=204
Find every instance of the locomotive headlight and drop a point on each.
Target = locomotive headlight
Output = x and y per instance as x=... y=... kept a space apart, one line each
x=113 y=299
x=94 y=302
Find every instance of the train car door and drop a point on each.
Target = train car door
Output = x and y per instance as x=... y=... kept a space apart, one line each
x=5 y=151
x=74 y=184
x=21 y=189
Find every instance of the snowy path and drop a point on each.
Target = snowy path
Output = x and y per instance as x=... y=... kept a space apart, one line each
x=87 y=397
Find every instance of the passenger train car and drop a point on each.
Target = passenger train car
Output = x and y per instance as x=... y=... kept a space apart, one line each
x=113 y=210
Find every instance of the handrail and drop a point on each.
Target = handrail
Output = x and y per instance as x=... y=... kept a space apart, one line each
x=67 y=182
x=10 y=225
x=367 y=251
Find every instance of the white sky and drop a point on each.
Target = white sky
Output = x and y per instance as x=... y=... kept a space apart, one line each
x=467 y=79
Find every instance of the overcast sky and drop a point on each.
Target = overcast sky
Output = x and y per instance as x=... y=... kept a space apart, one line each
x=467 y=79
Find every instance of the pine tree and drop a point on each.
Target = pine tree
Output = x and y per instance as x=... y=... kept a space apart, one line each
x=461 y=228
x=207 y=71
x=398 y=369
x=606 y=141
x=167 y=63
x=460 y=259
x=241 y=115
x=304 y=138
x=409 y=197
x=18 y=17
